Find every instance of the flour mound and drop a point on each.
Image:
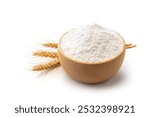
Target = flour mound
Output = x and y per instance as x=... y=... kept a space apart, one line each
x=91 y=43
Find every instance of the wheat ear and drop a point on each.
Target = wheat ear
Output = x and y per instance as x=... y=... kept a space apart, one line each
x=127 y=46
x=52 y=45
x=51 y=65
x=45 y=54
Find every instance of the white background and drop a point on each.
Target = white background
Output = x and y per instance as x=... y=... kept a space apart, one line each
x=25 y=24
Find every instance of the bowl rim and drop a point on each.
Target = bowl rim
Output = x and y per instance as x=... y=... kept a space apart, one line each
x=88 y=63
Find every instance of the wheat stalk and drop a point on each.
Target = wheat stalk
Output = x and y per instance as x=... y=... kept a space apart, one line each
x=52 y=45
x=45 y=54
x=51 y=65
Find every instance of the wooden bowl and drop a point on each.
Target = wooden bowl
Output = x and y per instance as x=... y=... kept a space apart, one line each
x=91 y=72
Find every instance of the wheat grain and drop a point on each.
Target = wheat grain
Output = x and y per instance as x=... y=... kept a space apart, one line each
x=51 y=65
x=52 y=45
x=45 y=54
x=130 y=45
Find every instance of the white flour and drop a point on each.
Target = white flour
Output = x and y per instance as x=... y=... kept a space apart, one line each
x=91 y=43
